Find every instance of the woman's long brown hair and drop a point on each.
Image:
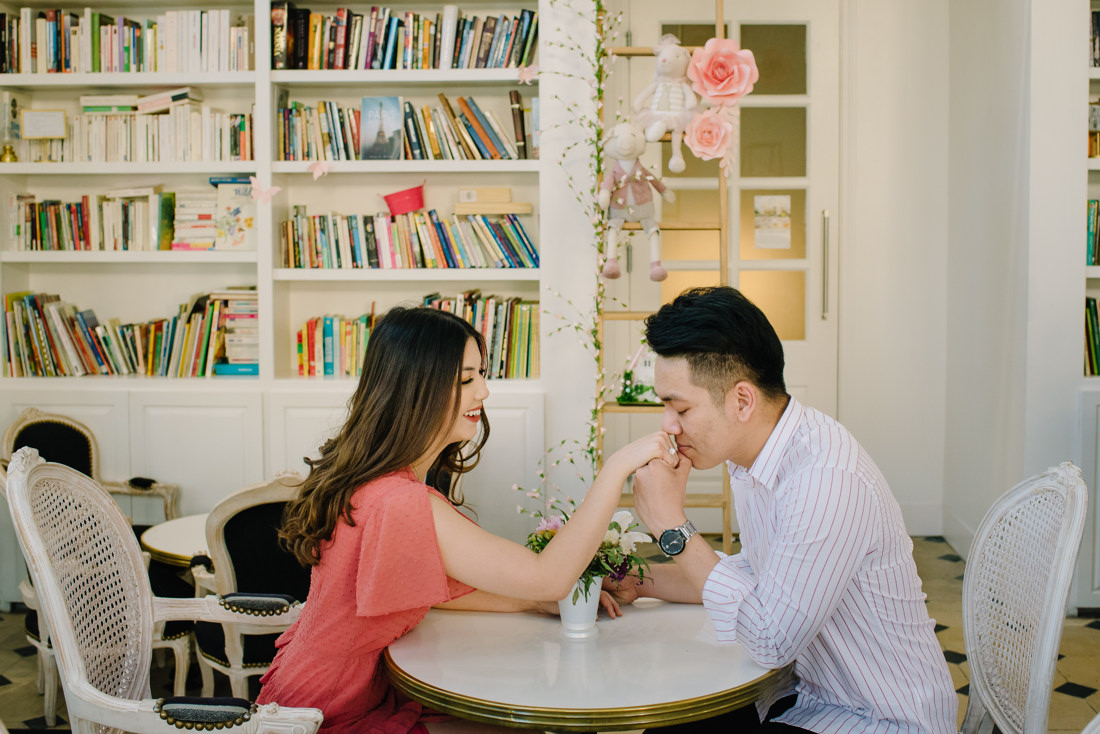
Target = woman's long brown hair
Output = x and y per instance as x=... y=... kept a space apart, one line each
x=408 y=394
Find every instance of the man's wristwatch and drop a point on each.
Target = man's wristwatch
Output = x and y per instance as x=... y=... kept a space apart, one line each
x=674 y=540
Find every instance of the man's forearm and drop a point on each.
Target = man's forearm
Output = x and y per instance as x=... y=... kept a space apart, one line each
x=669 y=582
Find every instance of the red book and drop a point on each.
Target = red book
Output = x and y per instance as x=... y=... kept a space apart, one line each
x=341 y=25
x=478 y=128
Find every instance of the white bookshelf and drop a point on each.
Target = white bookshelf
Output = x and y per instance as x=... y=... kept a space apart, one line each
x=214 y=435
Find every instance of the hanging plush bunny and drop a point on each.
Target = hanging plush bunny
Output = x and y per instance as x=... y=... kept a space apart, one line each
x=668 y=104
x=625 y=194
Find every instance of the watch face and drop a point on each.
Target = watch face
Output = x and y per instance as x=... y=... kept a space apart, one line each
x=672 y=542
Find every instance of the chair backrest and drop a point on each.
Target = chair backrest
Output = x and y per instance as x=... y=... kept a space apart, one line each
x=242 y=540
x=1015 y=589
x=88 y=572
x=58 y=438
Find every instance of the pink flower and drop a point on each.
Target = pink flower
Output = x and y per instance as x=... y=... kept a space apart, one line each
x=552 y=522
x=708 y=135
x=721 y=72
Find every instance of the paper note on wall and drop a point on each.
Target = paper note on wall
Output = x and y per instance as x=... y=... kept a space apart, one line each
x=772 y=221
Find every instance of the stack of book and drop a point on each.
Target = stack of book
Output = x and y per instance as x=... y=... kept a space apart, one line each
x=393 y=39
x=43 y=336
x=195 y=226
x=54 y=41
x=325 y=132
x=413 y=240
x=101 y=103
x=510 y=327
x=140 y=218
x=332 y=345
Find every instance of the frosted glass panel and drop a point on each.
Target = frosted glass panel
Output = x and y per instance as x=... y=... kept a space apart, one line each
x=780 y=52
x=781 y=295
x=773 y=224
x=680 y=280
x=689 y=245
x=691 y=206
x=773 y=141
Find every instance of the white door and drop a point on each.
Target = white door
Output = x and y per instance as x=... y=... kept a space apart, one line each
x=781 y=199
x=789 y=164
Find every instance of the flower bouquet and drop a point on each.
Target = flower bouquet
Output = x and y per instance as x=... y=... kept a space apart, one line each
x=616 y=556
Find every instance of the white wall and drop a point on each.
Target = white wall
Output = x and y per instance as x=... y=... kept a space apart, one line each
x=1016 y=178
x=893 y=244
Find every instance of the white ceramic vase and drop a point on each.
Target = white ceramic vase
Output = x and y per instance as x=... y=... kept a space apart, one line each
x=578 y=619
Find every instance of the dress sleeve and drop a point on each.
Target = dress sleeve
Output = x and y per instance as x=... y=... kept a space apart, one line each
x=399 y=563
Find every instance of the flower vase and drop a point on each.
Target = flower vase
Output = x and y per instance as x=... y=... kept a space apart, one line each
x=578 y=614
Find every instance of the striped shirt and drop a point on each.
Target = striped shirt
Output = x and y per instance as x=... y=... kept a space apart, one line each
x=826 y=579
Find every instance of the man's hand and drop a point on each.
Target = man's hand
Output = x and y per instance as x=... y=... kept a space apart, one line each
x=624 y=592
x=659 y=491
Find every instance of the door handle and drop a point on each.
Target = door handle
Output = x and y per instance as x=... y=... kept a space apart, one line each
x=824 y=264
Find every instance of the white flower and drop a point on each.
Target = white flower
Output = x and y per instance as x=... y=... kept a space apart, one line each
x=623 y=519
x=628 y=541
x=611 y=536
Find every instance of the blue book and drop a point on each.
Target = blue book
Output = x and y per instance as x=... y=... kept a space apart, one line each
x=474 y=136
x=390 y=60
x=518 y=261
x=328 y=344
x=521 y=38
x=444 y=241
x=413 y=131
x=357 y=258
x=529 y=246
x=237 y=368
x=484 y=121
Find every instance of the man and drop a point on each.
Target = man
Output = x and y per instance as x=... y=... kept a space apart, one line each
x=825 y=577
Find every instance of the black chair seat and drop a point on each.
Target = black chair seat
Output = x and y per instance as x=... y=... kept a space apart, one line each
x=30 y=624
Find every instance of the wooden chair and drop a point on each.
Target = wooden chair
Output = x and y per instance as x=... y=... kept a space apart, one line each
x=1015 y=589
x=94 y=591
x=68 y=441
x=242 y=540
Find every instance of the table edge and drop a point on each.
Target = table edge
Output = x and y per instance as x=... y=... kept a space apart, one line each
x=618 y=718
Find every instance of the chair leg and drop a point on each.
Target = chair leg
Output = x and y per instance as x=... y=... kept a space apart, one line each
x=183 y=663
x=238 y=684
x=51 y=685
x=41 y=669
x=207 y=677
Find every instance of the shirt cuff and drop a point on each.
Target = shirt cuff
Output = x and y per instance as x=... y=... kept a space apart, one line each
x=724 y=590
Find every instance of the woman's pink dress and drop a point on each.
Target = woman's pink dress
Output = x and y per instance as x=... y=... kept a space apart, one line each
x=375 y=582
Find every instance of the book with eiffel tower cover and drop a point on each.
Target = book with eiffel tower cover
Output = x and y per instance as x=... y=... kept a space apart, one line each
x=381 y=129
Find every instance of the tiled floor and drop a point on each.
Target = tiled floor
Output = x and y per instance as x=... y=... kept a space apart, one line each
x=1075 y=700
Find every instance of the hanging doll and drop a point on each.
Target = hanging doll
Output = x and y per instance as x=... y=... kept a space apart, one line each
x=668 y=104
x=625 y=193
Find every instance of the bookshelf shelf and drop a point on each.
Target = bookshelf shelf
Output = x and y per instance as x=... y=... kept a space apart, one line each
x=172 y=257
x=343 y=386
x=129 y=79
x=302 y=167
x=412 y=275
x=403 y=77
x=99 y=169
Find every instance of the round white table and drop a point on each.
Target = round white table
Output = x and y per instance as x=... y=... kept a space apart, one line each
x=657 y=665
x=175 y=541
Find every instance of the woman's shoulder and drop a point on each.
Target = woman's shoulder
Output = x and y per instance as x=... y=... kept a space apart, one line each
x=398 y=487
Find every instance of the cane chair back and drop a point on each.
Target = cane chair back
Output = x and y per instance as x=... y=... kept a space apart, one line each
x=93 y=589
x=1015 y=589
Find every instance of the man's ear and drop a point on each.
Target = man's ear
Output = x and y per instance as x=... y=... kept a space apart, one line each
x=741 y=401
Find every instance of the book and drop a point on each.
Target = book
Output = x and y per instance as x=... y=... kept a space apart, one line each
x=531 y=41
x=381 y=125
x=481 y=135
x=412 y=129
x=161 y=101
x=238 y=368
x=235 y=217
x=281 y=34
x=518 y=130
x=457 y=126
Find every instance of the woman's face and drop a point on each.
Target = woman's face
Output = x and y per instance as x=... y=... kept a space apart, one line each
x=472 y=393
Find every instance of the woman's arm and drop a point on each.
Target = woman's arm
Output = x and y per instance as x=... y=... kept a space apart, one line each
x=499 y=566
x=483 y=601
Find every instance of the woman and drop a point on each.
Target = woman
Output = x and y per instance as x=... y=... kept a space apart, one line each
x=384 y=547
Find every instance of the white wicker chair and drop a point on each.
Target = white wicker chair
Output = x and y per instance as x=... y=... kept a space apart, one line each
x=1093 y=726
x=94 y=592
x=242 y=540
x=1015 y=589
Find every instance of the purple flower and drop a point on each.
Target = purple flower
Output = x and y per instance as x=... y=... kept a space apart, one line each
x=619 y=572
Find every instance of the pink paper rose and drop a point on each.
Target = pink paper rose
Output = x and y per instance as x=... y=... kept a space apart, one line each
x=708 y=135
x=721 y=72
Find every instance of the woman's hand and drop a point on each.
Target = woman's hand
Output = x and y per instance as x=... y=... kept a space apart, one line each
x=638 y=453
x=610 y=605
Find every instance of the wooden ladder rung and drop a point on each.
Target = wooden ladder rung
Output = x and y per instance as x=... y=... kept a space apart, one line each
x=612 y=407
x=640 y=50
x=703 y=499
x=625 y=315
x=677 y=226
